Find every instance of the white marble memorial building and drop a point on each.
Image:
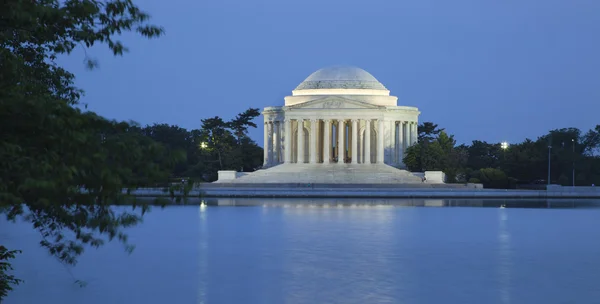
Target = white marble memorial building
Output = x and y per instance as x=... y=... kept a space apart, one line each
x=340 y=125
x=339 y=115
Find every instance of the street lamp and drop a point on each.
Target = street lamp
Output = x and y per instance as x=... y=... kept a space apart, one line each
x=549 y=149
x=203 y=145
x=573 y=140
x=504 y=146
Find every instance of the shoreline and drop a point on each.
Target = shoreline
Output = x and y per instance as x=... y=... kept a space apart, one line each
x=290 y=202
x=370 y=191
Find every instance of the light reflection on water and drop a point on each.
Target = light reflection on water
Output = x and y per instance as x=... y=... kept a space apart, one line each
x=382 y=203
x=504 y=256
x=202 y=250
x=332 y=251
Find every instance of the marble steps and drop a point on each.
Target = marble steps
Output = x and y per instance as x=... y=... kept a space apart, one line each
x=333 y=173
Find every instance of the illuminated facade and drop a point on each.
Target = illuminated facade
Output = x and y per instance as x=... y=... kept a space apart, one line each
x=339 y=115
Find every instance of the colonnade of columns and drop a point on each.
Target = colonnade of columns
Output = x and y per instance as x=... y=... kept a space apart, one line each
x=325 y=141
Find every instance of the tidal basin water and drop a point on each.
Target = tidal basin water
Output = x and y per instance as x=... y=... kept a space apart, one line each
x=331 y=251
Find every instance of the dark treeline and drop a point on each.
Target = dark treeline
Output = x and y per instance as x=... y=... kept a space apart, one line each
x=498 y=166
x=216 y=145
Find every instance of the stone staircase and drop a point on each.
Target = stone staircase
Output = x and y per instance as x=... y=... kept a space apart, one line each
x=330 y=174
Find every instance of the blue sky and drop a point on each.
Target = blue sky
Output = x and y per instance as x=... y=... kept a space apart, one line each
x=482 y=69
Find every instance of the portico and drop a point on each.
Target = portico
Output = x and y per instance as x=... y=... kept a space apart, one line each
x=327 y=140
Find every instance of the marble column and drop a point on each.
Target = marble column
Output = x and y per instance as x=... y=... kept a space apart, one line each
x=359 y=144
x=300 y=141
x=367 y=156
x=341 y=146
x=389 y=143
x=412 y=135
x=395 y=143
x=408 y=134
x=270 y=145
x=380 y=134
x=354 y=141
x=313 y=141
x=415 y=133
x=401 y=142
x=327 y=142
x=266 y=144
x=288 y=141
x=277 y=142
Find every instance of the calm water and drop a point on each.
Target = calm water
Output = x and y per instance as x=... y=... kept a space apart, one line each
x=345 y=251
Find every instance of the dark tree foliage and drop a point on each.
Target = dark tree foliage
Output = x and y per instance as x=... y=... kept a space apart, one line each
x=217 y=145
x=435 y=151
x=177 y=140
x=484 y=155
x=427 y=131
x=227 y=145
x=525 y=162
x=217 y=137
x=7 y=281
x=239 y=125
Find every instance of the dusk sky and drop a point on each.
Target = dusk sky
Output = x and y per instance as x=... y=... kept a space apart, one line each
x=483 y=69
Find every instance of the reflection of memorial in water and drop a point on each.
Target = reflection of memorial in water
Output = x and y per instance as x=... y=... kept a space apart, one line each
x=352 y=202
x=366 y=272
x=396 y=202
x=240 y=258
x=325 y=202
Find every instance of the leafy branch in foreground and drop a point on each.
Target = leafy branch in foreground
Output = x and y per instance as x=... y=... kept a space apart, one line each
x=61 y=168
x=6 y=280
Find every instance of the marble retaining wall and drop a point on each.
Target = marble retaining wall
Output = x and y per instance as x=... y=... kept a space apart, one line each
x=373 y=191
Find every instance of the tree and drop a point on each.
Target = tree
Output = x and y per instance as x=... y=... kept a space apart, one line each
x=217 y=137
x=571 y=149
x=434 y=151
x=65 y=165
x=483 y=155
x=433 y=157
x=239 y=125
x=456 y=167
x=525 y=161
x=491 y=178
x=228 y=145
x=427 y=131
x=591 y=141
x=176 y=139
x=252 y=156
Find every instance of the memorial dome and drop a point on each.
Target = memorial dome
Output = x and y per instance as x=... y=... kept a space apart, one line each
x=341 y=77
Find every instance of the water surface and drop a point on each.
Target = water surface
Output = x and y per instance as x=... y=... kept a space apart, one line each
x=331 y=251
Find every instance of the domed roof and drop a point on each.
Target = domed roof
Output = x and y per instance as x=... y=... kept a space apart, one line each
x=341 y=77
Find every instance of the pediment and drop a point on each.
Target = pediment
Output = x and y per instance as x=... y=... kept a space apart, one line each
x=334 y=102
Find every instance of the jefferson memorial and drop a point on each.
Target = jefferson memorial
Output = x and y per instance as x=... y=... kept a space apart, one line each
x=340 y=125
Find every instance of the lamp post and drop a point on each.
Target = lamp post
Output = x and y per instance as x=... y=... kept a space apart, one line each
x=549 y=149
x=573 y=140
